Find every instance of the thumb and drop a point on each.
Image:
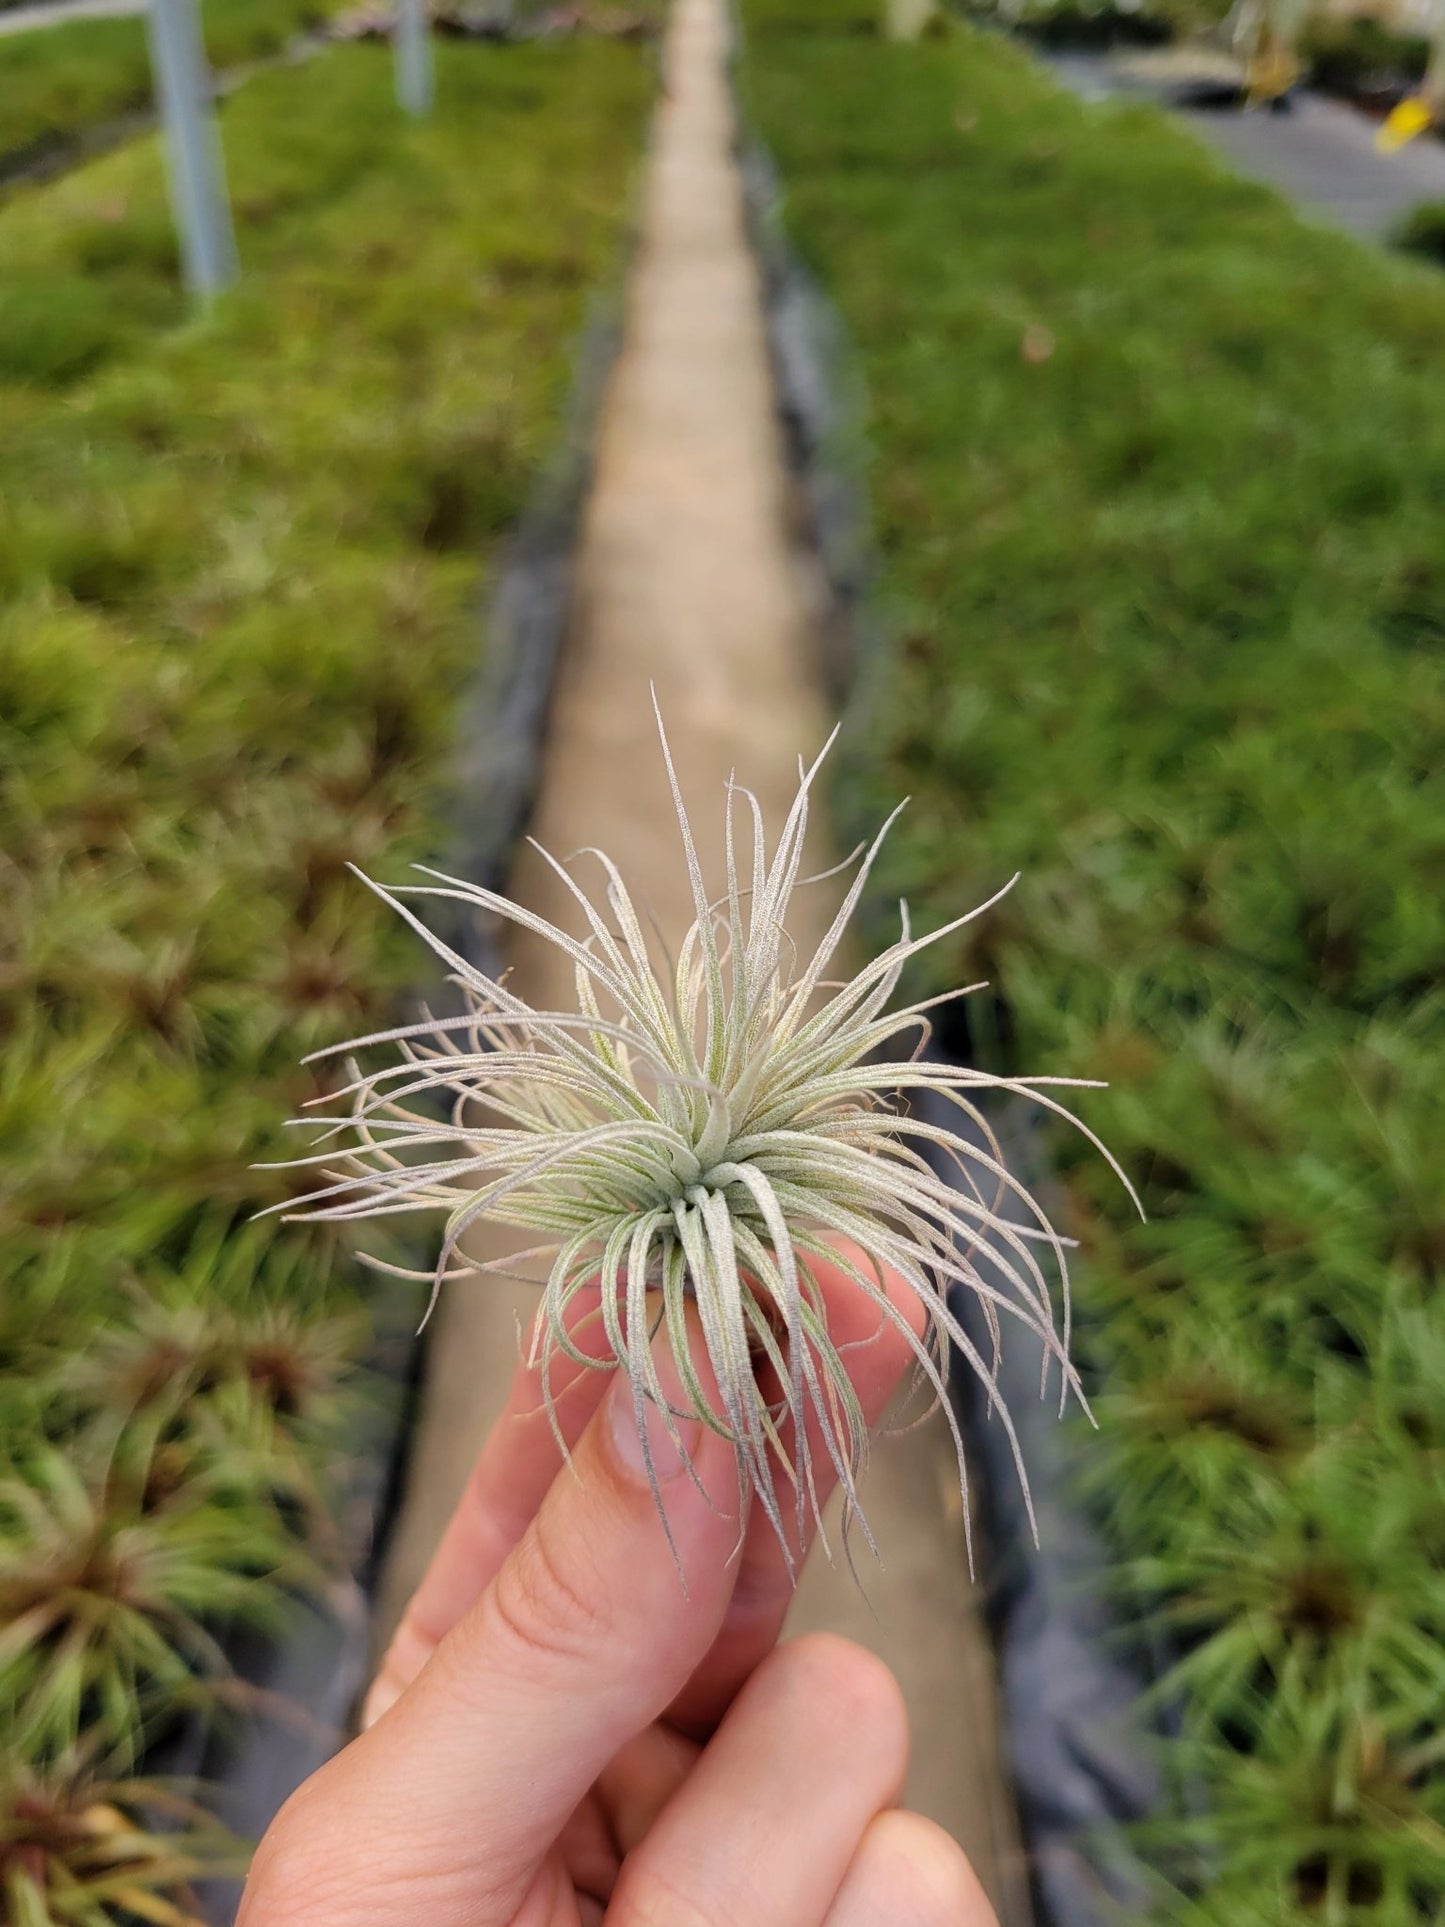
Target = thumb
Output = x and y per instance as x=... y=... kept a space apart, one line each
x=447 y=1807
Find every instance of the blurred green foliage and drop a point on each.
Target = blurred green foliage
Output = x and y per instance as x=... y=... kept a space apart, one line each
x=1157 y=474
x=1348 y=54
x=1423 y=232
x=1095 y=25
x=1088 y=25
x=98 y=1851
x=242 y=563
x=57 y=82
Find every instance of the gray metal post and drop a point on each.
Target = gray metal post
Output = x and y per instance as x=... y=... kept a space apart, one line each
x=193 y=147
x=414 y=79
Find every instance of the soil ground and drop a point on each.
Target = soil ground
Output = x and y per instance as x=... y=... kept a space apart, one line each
x=687 y=580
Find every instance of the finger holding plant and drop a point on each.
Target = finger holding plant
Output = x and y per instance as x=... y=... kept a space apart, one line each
x=563 y=1734
x=522 y=1458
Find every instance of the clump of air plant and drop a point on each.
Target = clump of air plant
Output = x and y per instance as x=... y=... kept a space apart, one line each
x=708 y=1133
x=86 y=1849
x=188 y=1340
x=243 y=1401
x=103 y=1594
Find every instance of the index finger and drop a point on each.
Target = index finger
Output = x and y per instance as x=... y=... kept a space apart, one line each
x=456 y=1796
x=522 y=1455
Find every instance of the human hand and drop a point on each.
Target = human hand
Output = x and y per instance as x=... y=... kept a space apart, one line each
x=561 y=1734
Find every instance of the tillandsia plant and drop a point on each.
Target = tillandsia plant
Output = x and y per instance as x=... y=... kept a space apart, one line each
x=708 y=1134
x=83 y=1849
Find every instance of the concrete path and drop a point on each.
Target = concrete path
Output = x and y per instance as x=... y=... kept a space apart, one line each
x=58 y=12
x=686 y=578
x=1321 y=155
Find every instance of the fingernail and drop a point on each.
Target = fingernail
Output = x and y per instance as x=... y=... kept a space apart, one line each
x=383 y=1696
x=667 y=1450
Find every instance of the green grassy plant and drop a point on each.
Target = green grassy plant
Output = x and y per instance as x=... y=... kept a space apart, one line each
x=90 y=1850
x=108 y=1583
x=1353 y=55
x=242 y=559
x=1156 y=473
x=56 y=82
x=1422 y=232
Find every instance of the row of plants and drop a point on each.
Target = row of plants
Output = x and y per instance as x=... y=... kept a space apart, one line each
x=1357 y=56
x=1157 y=473
x=242 y=563
x=1090 y=26
x=57 y=82
x=1363 y=59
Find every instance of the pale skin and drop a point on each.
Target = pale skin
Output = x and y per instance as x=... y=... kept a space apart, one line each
x=560 y=1735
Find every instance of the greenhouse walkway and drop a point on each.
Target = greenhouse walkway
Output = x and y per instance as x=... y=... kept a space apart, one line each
x=686 y=578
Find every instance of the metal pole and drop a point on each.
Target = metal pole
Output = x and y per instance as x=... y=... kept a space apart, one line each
x=414 y=78
x=193 y=147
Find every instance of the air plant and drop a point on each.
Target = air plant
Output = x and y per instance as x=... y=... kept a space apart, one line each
x=707 y=1138
x=103 y=1589
x=88 y=1850
x=192 y=1392
x=1336 y=1820
x=244 y=1312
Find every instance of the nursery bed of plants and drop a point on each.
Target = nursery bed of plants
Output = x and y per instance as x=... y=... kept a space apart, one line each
x=1157 y=473
x=55 y=82
x=242 y=562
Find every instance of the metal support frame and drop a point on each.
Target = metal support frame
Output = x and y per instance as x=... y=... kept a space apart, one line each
x=193 y=147
x=415 y=78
